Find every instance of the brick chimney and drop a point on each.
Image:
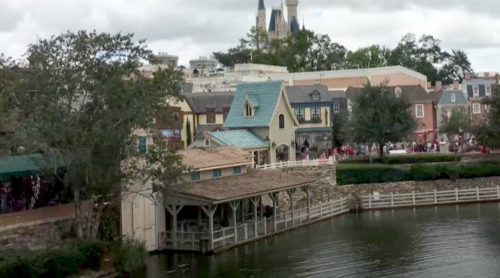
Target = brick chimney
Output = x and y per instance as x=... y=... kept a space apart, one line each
x=456 y=85
x=439 y=86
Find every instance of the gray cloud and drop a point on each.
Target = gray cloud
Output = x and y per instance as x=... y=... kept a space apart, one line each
x=191 y=28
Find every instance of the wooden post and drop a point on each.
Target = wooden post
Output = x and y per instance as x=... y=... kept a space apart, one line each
x=370 y=200
x=456 y=194
x=331 y=207
x=498 y=192
x=274 y=198
x=255 y=202
x=174 y=211
x=307 y=190
x=291 y=192
x=321 y=210
x=246 y=231
x=413 y=197
x=392 y=199
x=234 y=208
x=210 y=211
x=477 y=193
x=435 y=197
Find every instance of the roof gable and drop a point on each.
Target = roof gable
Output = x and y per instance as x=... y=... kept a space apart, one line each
x=201 y=103
x=262 y=96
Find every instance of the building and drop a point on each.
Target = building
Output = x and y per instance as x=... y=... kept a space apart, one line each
x=334 y=80
x=423 y=109
x=264 y=110
x=162 y=60
x=314 y=108
x=204 y=66
x=477 y=90
x=279 y=27
x=450 y=100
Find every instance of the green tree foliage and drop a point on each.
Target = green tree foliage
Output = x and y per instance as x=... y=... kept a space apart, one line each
x=457 y=124
x=368 y=57
x=80 y=98
x=379 y=117
x=339 y=130
x=488 y=134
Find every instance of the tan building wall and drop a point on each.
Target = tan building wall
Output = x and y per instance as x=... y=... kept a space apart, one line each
x=283 y=136
x=333 y=83
x=394 y=79
x=397 y=79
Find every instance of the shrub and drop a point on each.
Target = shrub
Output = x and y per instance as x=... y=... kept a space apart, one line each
x=26 y=267
x=130 y=256
x=61 y=263
x=405 y=159
x=91 y=252
x=370 y=173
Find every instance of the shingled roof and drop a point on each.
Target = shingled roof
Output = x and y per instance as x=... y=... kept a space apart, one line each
x=459 y=98
x=240 y=138
x=265 y=95
x=202 y=103
x=303 y=94
x=203 y=159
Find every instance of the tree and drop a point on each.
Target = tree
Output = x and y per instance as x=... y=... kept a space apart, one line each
x=188 y=131
x=83 y=102
x=456 y=66
x=458 y=124
x=488 y=134
x=368 y=57
x=379 y=117
x=339 y=130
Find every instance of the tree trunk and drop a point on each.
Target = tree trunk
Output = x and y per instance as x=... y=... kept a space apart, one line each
x=78 y=213
x=381 y=150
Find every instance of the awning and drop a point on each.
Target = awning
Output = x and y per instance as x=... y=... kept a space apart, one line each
x=25 y=165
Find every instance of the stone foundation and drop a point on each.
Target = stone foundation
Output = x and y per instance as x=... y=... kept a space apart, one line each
x=36 y=236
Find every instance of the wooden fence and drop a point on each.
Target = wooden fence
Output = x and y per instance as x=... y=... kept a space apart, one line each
x=376 y=201
x=295 y=164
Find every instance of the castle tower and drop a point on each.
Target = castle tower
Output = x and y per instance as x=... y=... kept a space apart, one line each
x=261 y=16
x=291 y=7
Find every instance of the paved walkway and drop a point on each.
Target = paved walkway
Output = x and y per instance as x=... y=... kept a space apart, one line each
x=38 y=216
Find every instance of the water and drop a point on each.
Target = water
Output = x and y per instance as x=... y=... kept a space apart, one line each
x=449 y=241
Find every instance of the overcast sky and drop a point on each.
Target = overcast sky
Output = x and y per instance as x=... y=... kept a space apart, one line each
x=192 y=28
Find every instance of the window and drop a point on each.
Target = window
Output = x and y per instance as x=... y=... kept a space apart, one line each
x=195 y=176
x=175 y=115
x=248 y=110
x=282 y=121
x=216 y=173
x=453 y=97
x=236 y=170
x=315 y=96
x=299 y=113
x=210 y=116
x=207 y=143
x=476 y=91
x=336 y=107
x=476 y=108
x=142 y=145
x=316 y=113
x=487 y=108
x=488 y=91
x=398 y=91
x=225 y=112
x=419 y=110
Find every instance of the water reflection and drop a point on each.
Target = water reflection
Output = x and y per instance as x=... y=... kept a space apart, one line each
x=450 y=241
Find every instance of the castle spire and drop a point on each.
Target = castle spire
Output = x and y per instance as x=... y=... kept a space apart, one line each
x=261 y=5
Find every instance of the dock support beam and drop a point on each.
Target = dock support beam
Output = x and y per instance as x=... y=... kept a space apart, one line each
x=234 y=207
x=307 y=190
x=174 y=211
x=210 y=211
x=291 y=193
x=275 y=199
x=255 y=202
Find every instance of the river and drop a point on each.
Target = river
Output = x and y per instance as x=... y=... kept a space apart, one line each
x=447 y=241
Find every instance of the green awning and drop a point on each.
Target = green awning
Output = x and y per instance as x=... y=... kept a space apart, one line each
x=25 y=165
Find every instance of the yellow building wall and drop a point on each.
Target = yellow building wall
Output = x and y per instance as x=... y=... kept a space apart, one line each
x=283 y=136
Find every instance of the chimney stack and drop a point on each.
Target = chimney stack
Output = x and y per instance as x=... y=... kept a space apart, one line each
x=439 y=86
x=456 y=85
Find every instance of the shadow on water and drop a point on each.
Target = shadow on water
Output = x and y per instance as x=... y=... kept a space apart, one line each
x=448 y=241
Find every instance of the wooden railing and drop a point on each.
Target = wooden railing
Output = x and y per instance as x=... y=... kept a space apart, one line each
x=375 y=201
x=244 y=232
x=301 y=163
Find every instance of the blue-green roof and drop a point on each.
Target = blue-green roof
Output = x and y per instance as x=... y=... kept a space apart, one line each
x=263 y=95
x=22 y=165
x=446 y=98
x=242 y=139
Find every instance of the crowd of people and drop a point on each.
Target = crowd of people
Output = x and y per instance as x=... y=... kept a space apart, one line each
x=32 y=192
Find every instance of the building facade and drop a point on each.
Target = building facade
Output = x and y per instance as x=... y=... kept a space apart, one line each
x=450 y=101
x=279 y=27
x=477 y=90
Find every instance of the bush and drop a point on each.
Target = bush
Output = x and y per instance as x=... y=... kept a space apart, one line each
x=130 y=256
x=378 y=173
x=405 y=159
x=60 y=262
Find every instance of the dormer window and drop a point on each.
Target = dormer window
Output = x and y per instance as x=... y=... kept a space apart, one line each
x=248 y=110
x=315 y=96
x=453 y=97
x=476 y=91
x=398 y=91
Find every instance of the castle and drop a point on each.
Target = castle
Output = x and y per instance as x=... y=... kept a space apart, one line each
x=279 y=28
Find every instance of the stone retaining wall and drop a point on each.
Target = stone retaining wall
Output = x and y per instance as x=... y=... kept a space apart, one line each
x=37 y=236
x=327 y=188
